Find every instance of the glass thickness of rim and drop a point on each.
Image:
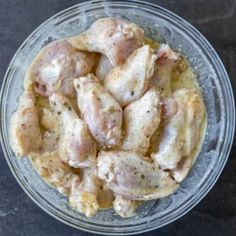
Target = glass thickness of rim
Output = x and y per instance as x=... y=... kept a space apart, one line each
x=164 y=26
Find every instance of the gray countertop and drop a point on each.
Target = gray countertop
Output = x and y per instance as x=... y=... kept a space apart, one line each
x=215 y=214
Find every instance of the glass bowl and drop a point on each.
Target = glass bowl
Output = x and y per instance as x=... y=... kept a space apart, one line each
x=159 y=24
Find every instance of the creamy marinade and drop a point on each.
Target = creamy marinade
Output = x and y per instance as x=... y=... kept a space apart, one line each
x=110 y=118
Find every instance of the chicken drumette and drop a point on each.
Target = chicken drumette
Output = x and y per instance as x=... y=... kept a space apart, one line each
x=56 y=66
x=76 y=146
x=129 y=81
x=100 y=110
x=25 y=135
x=181 y=132
x=141 y=120
x=115 y=38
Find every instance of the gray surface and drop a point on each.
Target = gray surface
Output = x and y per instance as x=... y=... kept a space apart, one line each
x=216 y=214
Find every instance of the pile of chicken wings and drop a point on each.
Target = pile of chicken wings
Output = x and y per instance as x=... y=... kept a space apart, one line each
x=98 y=112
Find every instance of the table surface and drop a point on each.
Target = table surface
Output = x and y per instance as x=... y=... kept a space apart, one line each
x=215 y=214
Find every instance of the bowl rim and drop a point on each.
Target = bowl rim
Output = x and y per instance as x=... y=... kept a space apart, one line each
x=189 y=28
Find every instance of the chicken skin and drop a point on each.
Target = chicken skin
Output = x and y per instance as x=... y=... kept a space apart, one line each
x=181 y=130
x=82 y=192
x=76 y=146
x=132 y=176
x=100 y=111
x=125 y=207
x=141 y=119
x=167 y=62
x=25 y=135
x=129 y=81
x=115 y=38
x=55 y=171
x=103 y=68
x=56 y=66
x=84 y=195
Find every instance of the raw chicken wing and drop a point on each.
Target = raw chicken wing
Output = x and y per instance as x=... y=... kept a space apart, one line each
x=100 y=110
x=55 y=171
x=181 y=130
x=130 y=80
x=115 y=38
x=25 y=135
x=141 y=119
x=135 y=178
x=76 y=146
x=84 y=195
x=56 y=66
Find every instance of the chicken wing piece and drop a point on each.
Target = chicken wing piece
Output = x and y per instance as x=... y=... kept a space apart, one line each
x=130 y=80
x=25 y=135
x=100 y=110
x=168 y=64
x=76 y=146
x=84 y=195
x=182 y=169
x=130 y=175
x=55 y=171
x=181 y=130
x=125 y=207
x=56 y=66
x=141 y=119
x=103 y=68
x=82 y=192
x=116 y=38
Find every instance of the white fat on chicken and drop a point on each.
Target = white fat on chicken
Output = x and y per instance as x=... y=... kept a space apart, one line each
x=25 y=134
x=100 y=110
x=133 y=176
x=103 y=68
x=84 y=195
x=129 y=81
x=141 y=120
x=55 y=67
x=115 y=38
x=76 y=146
x=182 y=129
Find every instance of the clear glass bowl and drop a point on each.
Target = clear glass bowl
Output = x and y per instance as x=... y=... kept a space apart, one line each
x=164 y=26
